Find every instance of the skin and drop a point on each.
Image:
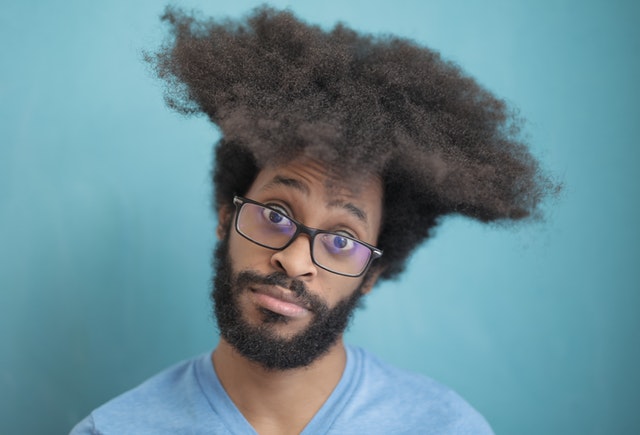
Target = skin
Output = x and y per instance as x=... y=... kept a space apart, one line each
x=283 y=402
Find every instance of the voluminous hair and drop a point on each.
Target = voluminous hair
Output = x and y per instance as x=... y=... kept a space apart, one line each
x=279 y=88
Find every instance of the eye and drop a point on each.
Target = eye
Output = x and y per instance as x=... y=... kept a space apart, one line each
x=273 y=216
x=341 y=242
x=338 y=244
x=276 y=219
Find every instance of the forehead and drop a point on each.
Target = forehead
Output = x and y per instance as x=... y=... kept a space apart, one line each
x=310 y=180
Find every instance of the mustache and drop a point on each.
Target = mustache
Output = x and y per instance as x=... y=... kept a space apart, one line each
x=248 y=277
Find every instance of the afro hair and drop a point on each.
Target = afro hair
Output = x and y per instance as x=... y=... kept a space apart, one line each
x=279 y=88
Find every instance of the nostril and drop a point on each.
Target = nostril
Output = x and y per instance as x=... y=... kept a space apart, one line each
x=277 y=263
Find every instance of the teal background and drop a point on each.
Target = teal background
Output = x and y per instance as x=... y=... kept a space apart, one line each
x=106 y=231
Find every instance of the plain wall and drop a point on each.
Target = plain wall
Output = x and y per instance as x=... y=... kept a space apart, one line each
x=106 y=231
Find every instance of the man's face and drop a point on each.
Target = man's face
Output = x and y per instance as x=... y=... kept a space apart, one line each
x=278 y=308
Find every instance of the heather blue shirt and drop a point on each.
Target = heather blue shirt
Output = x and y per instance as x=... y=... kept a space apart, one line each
x=371 y=398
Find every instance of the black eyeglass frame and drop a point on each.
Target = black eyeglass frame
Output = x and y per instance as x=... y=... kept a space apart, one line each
x=301 y=228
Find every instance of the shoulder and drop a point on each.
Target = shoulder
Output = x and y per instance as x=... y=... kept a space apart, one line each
x=161 y=404
x=391 y=397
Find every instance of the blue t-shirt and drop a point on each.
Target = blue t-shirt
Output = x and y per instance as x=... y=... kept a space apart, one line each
x=371 y=398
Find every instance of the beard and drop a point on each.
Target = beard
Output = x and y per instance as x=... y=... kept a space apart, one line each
x=259 y=343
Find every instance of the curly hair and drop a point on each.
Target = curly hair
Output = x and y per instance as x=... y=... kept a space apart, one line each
x=279 y=88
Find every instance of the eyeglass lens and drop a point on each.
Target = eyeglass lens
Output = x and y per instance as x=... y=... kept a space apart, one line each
x=274 y=230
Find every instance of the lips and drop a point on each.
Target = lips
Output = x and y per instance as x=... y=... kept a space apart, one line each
x=280 y=301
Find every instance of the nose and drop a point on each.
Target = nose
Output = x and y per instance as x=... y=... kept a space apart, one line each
x=295 y=259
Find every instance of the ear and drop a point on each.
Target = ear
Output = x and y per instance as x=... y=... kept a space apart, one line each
x=224 y=219
x=370 y=279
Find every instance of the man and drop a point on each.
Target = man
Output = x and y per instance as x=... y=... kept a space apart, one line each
x=340 y=152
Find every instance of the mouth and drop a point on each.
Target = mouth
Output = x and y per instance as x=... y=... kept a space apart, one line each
x=279 y=301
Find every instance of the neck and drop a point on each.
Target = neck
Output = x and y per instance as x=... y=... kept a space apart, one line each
x=278 y=401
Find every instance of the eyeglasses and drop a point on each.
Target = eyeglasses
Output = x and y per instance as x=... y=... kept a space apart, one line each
x=270 y=228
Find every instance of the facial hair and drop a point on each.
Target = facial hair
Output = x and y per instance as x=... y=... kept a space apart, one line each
x=259 y=343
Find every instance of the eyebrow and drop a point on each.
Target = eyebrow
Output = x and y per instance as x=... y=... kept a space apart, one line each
x=279 y=180
x=354 y=210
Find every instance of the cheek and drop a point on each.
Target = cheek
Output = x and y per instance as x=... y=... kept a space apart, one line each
x=247 y=255
x=339 y=288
